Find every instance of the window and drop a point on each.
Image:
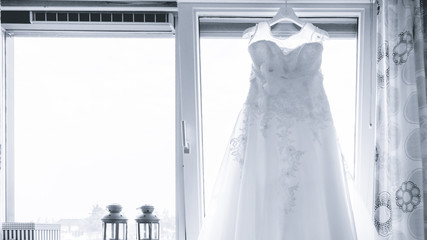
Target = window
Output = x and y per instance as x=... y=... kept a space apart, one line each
x=98 y=97
x=216 y=84
x=225 y=71
x=93 y=123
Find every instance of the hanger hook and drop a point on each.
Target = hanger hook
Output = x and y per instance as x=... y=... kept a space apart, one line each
x=286 y=4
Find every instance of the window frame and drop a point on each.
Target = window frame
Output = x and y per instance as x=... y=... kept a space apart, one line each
x=8 y=31
x=189 y=81
x=2 y=150
x=189 y=171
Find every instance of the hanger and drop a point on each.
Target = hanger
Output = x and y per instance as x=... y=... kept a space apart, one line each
x=284 y=14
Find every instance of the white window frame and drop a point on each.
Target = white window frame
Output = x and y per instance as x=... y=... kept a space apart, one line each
x=189 y=172
x=2 y=161
x=8 y=31
x=189 y=82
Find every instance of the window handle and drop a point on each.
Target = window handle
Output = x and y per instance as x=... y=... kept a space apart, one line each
x=185 y=143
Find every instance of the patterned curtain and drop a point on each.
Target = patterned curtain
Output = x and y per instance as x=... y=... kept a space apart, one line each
x=424 y=15
x=401 y=129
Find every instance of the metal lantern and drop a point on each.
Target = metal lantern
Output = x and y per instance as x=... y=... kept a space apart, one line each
x=148 y=224
x=114 y=224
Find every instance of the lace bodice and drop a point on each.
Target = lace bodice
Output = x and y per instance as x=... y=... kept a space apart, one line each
x=295 y=57
x=286 y=76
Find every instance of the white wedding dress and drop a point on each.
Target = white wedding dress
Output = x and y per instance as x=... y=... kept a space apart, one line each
x=282 y=176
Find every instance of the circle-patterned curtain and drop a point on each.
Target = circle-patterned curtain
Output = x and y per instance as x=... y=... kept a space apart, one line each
x=401 y=121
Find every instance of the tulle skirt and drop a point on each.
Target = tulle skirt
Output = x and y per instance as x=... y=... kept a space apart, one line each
x=280 y=180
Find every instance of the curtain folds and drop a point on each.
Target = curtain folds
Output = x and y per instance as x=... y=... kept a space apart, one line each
x=424 y=19
x=401 y=129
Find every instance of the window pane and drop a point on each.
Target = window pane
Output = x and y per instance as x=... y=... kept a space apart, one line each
x=225 y=71
x=340 y=82
x=94 y=125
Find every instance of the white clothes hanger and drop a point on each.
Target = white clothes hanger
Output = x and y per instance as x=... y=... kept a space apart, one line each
x=284 y=14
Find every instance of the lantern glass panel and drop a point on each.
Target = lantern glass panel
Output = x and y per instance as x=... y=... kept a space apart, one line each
x=146 y=231
x=122 y=231
x=111 y=231
x=155 y=231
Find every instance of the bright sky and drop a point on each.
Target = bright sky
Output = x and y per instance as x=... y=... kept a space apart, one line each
x=94 y=124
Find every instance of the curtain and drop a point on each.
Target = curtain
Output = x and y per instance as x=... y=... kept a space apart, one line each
x=424 y=18
x=401 y=128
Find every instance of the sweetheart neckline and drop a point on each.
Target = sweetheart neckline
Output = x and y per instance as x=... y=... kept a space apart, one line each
x=281 y=48
x=280 y=41
x=270 y=33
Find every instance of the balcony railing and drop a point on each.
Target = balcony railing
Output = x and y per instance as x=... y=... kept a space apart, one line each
x=31 y=231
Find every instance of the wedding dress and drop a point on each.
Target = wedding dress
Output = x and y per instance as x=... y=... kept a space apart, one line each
x=282 y=176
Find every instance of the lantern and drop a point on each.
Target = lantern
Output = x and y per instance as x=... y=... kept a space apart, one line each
x=148 y=224
x=114 y=224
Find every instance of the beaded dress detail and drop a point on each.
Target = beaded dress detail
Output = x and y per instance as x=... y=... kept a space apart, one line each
x=282 y=176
